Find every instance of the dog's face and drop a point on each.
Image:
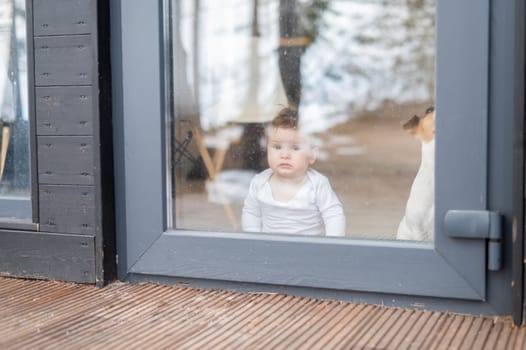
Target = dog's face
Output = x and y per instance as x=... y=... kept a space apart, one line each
x=423 y=128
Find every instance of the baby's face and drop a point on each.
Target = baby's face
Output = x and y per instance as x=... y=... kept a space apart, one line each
x=289 y=153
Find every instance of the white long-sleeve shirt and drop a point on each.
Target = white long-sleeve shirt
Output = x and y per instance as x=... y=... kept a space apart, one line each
x=315 y=209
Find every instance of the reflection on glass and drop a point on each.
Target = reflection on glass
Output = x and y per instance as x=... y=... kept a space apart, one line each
x=290 y=196
x=354 y=71
x=14 y=127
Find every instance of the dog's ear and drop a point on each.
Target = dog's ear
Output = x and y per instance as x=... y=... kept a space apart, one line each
x=411 y=124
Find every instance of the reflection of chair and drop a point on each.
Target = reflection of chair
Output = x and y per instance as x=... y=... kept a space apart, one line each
x=181 y=150
x=214 y=166
x=6 y=135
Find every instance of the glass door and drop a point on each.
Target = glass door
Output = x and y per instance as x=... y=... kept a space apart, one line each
x=378 y=93
x=352 y=74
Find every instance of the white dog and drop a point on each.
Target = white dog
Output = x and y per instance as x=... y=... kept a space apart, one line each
x=418 y=221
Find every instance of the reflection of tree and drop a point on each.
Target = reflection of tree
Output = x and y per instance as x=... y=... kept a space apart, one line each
x=252 y=155
x=290 y=49
x=297 y=28
x=415 y=54
x=299 y=24
x=311 y=13
x=374 y=51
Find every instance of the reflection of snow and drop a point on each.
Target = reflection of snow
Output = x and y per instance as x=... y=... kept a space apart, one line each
x=13 y=62
x=354 y=63
x=6 y=21
x=229 y=186
x=224 y=137
x=317 y=117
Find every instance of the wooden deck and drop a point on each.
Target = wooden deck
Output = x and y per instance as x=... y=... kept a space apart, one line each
x=57 y=315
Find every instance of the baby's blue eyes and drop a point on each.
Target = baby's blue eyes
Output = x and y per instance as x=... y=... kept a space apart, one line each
x=293 y=147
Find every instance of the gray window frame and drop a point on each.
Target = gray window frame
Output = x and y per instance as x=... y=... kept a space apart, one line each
x=451 y=268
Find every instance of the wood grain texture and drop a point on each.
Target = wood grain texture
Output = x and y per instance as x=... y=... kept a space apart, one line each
x=67 y=209
x=65 y=110
x=56 y=17
x=64 y=60
x=45 y=255
x=65 y=160
x=55 y=315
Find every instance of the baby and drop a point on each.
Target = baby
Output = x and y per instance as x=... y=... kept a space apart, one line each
x=290 y=197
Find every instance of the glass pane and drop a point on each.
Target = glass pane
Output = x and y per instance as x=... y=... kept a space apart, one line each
x=351 y=73
x=14 y=122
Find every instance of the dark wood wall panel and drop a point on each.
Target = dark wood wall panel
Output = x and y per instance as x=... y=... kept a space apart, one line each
x=67 y=74
x=47 y=256
x=65 y=110
x=65 y=160
x=55 y=17
x=67 y=209
x=64 y=60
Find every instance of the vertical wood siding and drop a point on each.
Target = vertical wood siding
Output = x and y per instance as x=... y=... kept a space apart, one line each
x=67 y=111
x=56 y=17
x=68 y=209
x=66 y=160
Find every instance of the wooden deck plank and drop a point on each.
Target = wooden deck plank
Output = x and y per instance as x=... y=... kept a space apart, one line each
x=483 y=333
x=397 y=330
x=471 y=332
x=229 y=324
x=208 y=316
x=291 y=321
x=84 y=318
x=411 y=329
x=374 y=314
x=20 y=325
x=427 y=331
x=274 y=323
x=234 y=324
x=179 y=318
x=520 y=340
x=372 y=333
x=57 y=315
x=329 y=329
x=450 y=331
x=493 y=336
x=129 y=325
x=384 y=340
x=344 y=329
x=251 y=325
x=504 y=337
x=312 y=328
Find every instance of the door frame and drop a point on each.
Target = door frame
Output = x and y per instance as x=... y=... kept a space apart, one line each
x=147 y=250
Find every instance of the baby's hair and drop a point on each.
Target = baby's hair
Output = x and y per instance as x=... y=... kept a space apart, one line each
x=286 y=118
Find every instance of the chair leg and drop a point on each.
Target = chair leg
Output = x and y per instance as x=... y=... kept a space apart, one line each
x=6 y=134
x=214 y=166
x=209 y=164
x=231 y=215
